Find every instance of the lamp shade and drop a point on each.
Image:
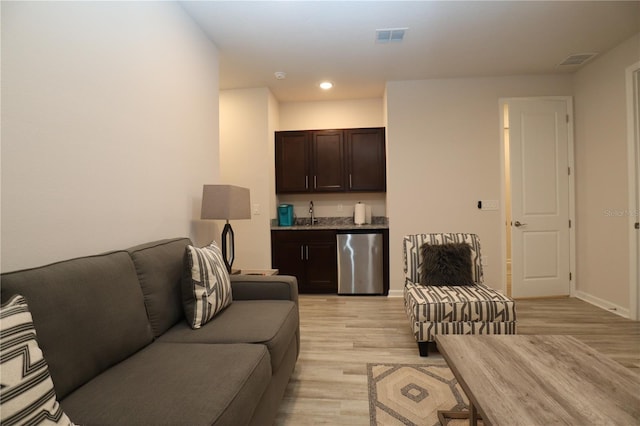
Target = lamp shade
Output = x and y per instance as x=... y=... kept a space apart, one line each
x=225 y=202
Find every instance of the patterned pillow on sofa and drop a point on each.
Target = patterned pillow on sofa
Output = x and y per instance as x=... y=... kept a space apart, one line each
x=26 y=389
x=206 y=287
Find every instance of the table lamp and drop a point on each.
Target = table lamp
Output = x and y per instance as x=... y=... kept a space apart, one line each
x=226 y=202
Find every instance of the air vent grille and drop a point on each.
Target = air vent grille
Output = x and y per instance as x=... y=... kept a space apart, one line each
x=577 y=59
x=390 y=35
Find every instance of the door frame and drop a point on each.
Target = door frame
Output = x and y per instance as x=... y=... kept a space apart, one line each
x=572 y=184
x=633 y=145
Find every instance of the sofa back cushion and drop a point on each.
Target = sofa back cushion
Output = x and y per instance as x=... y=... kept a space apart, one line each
x=88 y=312
x=160 y=267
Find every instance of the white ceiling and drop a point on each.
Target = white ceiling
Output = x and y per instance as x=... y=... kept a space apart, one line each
x=335 y=40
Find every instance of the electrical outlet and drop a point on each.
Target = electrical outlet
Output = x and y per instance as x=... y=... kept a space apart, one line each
x=340 y=207
x=256 y=208
x=484 y=260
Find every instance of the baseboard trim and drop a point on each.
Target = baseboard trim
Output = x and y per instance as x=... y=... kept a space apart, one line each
x=396 y=293
x=604 y=304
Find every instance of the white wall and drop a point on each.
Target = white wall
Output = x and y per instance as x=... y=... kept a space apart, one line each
x=109 y=127
x=247 y=159
x=333 y=115
x=602 y=235
x=443 y=145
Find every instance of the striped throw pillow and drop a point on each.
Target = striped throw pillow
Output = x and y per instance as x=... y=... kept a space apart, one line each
x=26 y=389
x=206 y=287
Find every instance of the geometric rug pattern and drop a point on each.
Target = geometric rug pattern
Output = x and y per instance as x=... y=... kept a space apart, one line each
x=412 y=394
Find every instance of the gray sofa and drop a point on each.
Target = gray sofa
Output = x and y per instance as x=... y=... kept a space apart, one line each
x=112 y=330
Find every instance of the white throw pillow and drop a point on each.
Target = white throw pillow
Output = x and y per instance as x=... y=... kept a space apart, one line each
x=206 y=287
x=26 y=389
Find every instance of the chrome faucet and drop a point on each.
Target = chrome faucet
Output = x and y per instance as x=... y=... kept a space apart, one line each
x=313 y=219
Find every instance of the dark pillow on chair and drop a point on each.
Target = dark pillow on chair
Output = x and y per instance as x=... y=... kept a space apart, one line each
x=446 y=264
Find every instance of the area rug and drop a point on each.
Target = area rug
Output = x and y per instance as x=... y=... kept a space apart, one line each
x=412 y=394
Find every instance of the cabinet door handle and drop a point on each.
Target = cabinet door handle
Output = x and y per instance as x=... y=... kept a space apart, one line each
x=315 y=182
x=301 y=252
x=307 y=249
x=306 y=182
x=350 y=181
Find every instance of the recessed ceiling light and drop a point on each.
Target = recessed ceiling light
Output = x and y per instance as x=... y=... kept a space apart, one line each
x=326 y=85
x=280 y=75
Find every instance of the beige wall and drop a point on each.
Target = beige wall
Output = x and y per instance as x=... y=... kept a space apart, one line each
x=602 y=235
x=108 y=136
x=274 y=124
x=333 y=115
x=443 y=142
x=248 y=120
x=247 y=159
x=109 y=127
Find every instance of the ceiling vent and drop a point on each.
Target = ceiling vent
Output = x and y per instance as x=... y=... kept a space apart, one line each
x=577 y=59
x=390 y=35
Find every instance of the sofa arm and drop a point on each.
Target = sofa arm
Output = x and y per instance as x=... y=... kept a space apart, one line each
x=251 y=287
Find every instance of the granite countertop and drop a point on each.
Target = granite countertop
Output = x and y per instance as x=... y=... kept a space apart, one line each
x=331 y=223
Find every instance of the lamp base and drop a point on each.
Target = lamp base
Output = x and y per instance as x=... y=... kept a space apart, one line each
x=227 y=242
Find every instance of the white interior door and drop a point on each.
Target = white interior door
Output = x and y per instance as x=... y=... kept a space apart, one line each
x=539 y=164
x=633 y=121
x=636 y=213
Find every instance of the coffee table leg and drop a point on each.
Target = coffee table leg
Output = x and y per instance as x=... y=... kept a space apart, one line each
x=473 y=414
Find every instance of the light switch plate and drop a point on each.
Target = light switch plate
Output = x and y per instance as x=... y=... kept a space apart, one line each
x=256 y=208
x=490 y=204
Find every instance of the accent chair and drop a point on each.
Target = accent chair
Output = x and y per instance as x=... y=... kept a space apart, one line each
x=452 y=309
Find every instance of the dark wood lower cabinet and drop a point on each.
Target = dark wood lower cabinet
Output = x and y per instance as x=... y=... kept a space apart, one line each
x=310 y=256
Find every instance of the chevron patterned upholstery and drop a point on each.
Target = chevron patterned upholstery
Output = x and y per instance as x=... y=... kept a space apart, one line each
x=27 y=396
x=432 y=310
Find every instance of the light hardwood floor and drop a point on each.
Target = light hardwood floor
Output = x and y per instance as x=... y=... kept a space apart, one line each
x=341 y=334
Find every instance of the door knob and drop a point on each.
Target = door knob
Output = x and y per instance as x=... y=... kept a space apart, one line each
x=518 y=224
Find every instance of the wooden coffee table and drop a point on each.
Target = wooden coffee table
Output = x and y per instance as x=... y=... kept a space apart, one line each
x=541 y=380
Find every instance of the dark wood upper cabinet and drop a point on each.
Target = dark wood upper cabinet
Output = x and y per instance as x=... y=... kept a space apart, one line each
x=366 y=160
x=292 y=162
x=331 y=161
x=328 y=160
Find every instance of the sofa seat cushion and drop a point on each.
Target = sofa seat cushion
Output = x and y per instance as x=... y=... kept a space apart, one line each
x=176 y=384
x=457 y=303
x=269 y=322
